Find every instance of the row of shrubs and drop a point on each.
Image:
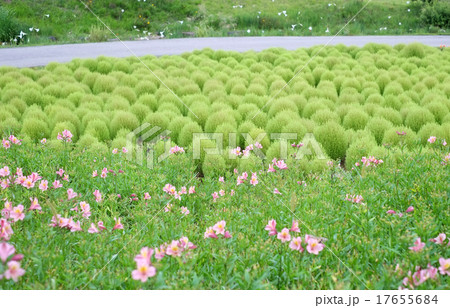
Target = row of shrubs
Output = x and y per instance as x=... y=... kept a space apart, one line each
x=341 y=96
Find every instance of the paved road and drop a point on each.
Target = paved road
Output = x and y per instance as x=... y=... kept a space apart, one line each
x=42 y=55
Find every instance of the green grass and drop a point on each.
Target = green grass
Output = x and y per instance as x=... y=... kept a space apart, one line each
x=367 y=239
x=69 y=21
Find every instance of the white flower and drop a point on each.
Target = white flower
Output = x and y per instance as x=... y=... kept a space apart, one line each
x=399 y=23
x=123 y=10
x=134 y=27
x=31 y=29
x=37 y=30
x=310 y=28
x=248 y=31
x=389 y=17
x=180 y=21
x=47 y=15
x=327 y=31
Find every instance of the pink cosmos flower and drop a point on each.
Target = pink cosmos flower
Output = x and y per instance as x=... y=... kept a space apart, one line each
x=43 y=186
x=14 y=271
x=93 y=229
x=215 y=195
x=294 y=227
x=418 y=245
x=6 y=250
x=439 y=239
x=220 y=227
x=60 y=172
x=94 y=173
x=227 y=234
x=114 y=151
x=409 y=209
x=168 y=208
x=221 y=179
x=244 y=176
x=117 y=225
x=444 y=267
x=222 y=192
x=192 y=190
x=57 y=184
x=232 y=192
x=6 y=144
x=444 y=143
x=101 y=226
x=143 y=271
x=74 y=227
x=276 y=191
x=314 y=246
x=184 y=210
x=296 y=244
x=28 y=183
x=44 y=141
x=284 y=235
x=66 y=136
x=145 y=255
x=432 y=139
x=209 y=233
x=5 y=183
x=281 y=164
x=5 y=229
x=85 y=209
x=35 y=204
x=147 y=196
x=160 y=253
x=98 y=195
x=254 y=179
x=185 y=243
x=4 y=171
x=17 y=213
x=391 y=212
x=258 y=145
x=183 y=191
x=271 y=169
x=271 y=227
x=174 y=249
x=402 y=133
x=71 y=194
x=124 y=150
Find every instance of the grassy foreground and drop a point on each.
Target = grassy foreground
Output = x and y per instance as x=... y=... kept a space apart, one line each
x=366 y=246
x=70 y=21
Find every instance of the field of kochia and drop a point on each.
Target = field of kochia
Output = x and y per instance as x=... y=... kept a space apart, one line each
x=371 y=214
x=353 y=100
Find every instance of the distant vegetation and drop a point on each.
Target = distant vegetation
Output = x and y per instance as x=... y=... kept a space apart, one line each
x=45 y=22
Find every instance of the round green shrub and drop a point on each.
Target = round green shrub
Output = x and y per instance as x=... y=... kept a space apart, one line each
x=392 y=138
x=98 y=129
x=104 y=84
x=438 y=110
x=199 y=112
x=217 y=118
x=157 y=119
x=295 y=128
x=59 y=127
x=125 y=92
x=428 y=130
x=229 y=132
x=355 y=119
x=186 y=133
x=176 y=125
x=256 y=134
x=213 y=166
x=332 y=137
x=377 y=126
x=145 y=87
x=140 y=111
x=86 y=141
x=359 y=148
x=35 y=128
x=148 y=100
x=417 y=117
x=282 y=104
x=323 y=116
x=390 y=114
x=10 y=126
x=123 y=119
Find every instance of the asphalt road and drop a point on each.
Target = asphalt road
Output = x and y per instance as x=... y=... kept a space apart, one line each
x=42 y=55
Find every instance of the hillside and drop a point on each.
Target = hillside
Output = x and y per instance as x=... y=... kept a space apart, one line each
x=69 y=21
